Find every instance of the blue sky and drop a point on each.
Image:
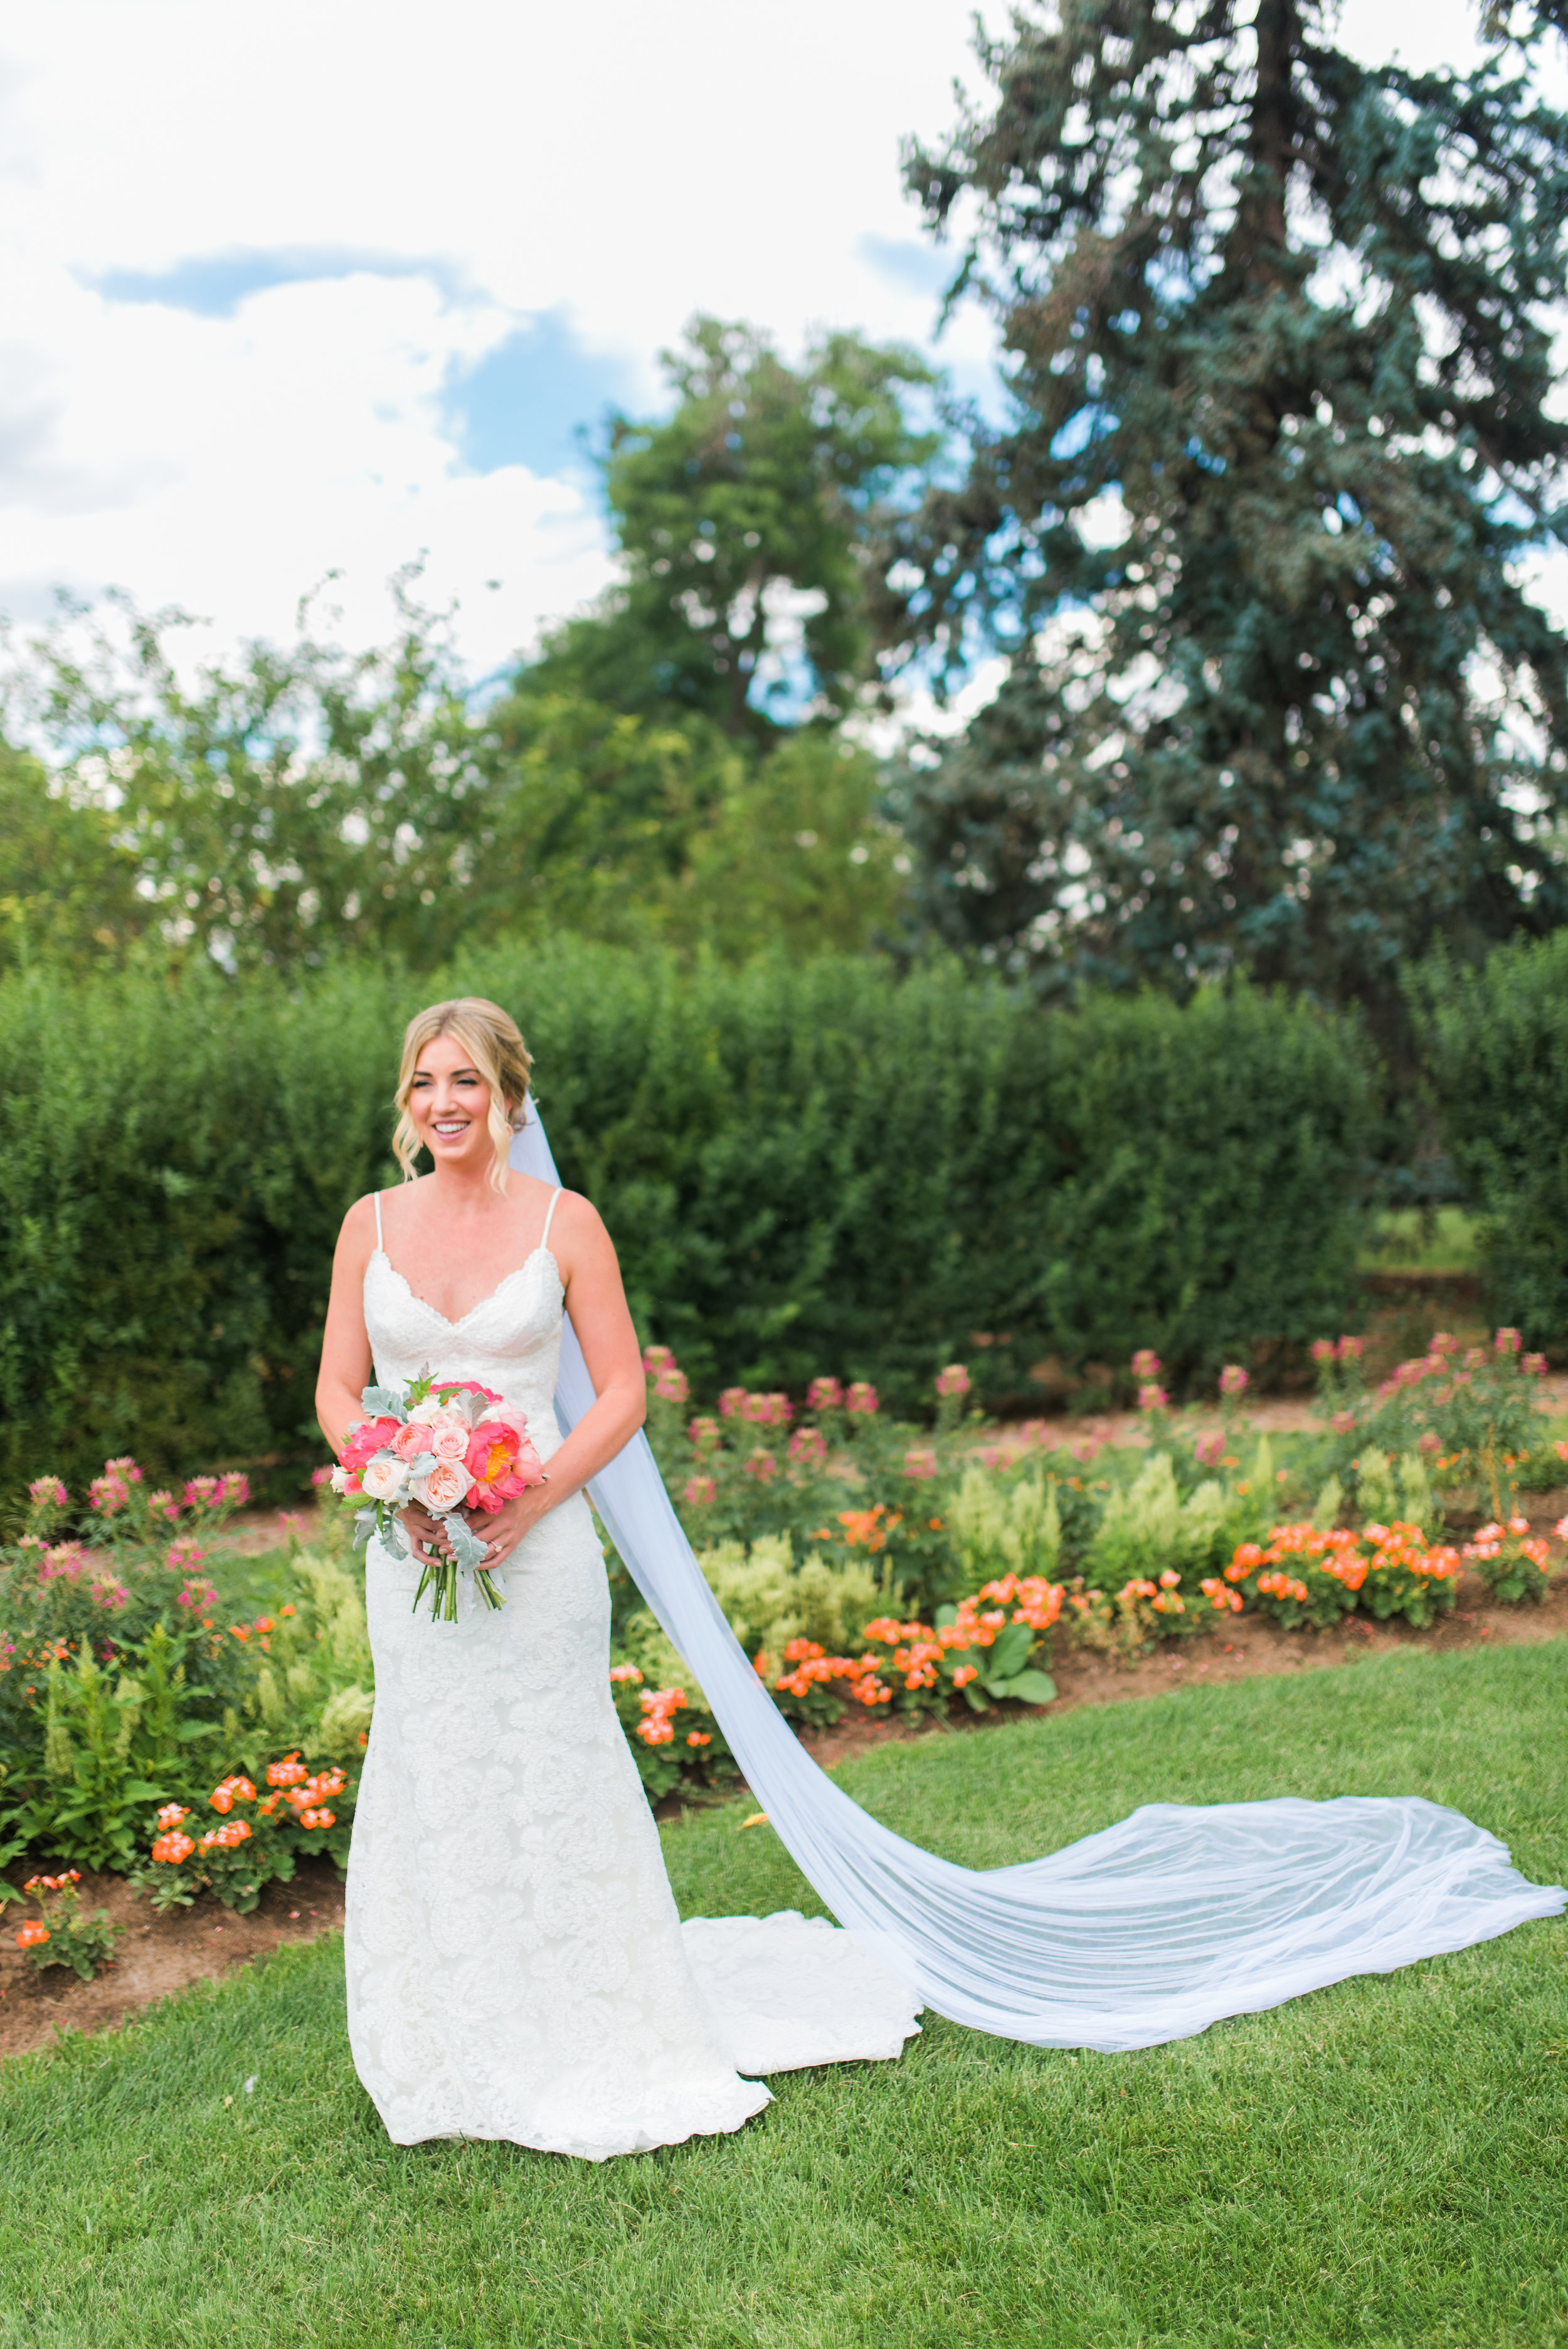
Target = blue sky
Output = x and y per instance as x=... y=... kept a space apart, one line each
x=304 y=290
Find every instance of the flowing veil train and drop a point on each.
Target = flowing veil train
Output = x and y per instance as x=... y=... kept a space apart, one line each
x=1149 y=1931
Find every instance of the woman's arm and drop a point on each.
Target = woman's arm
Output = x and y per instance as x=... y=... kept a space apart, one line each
x=345 y=1360
x=597 y=1304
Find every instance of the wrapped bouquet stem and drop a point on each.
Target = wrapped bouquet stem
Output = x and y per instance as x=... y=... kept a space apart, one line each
x=448 y=1446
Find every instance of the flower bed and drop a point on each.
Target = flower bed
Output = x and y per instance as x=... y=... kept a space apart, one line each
x=870 y=1567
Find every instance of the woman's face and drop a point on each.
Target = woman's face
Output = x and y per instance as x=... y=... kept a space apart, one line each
x=448 y=1102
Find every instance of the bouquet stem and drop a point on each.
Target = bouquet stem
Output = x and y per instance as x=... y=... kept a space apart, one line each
x=440 y=1578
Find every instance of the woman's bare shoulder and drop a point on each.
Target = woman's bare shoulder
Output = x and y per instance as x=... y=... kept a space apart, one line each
x=577 y=1233
x=357 y=1230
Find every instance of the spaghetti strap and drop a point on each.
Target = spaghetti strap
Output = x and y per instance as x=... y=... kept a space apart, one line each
x=544 y=1235
x=379 y=1241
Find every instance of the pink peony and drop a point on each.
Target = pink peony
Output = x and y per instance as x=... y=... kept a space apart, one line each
x=444 y=1486
x=372 y=1435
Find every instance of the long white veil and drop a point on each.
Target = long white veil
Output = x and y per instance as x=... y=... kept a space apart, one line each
x=1147 y=1932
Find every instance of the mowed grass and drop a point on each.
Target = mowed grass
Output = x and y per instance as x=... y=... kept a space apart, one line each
x=1383 y=2163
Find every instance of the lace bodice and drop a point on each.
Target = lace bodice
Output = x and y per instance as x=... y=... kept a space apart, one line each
x=510 y=1341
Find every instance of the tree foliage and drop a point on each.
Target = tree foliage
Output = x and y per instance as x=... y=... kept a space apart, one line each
x=1280 y=339
x=274 y=806
x=745 y=520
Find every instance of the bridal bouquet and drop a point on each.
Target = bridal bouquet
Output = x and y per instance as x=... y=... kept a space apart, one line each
x=438 y=1442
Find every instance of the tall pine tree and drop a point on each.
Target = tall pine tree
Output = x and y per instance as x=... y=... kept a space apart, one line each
x=1280 y=434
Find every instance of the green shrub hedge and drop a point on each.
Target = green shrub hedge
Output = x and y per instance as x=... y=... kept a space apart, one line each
x=1496 y=1041
x=805 y=1168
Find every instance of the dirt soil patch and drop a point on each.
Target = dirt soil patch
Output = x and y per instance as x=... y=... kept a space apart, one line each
x=157 y=1955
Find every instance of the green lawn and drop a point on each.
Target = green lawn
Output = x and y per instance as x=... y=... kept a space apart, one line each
x=1403 y=1239
x=1385 y=2162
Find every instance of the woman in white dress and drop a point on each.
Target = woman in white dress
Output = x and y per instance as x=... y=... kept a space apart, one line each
x=516 y=1966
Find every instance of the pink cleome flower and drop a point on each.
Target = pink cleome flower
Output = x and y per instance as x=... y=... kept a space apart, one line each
x=954 y=1380
x=47 y=1492
x=1234 y=1380
x=862 y=1399
x=824 y=1394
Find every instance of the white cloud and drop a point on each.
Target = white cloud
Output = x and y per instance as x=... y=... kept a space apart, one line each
x=495 y=170
x=508 y=165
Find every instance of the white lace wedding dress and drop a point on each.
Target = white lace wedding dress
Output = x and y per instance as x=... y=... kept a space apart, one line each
x=516 y=1967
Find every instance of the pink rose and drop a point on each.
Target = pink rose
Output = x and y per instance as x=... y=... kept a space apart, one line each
x=411 y=1439
x=444 y=1486
x=450 y=1442
x=383 y=1479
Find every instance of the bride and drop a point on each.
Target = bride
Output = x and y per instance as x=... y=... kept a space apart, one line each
x=516 y=1967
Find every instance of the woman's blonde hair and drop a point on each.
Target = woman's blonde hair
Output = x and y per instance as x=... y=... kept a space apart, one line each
x=494 y=1046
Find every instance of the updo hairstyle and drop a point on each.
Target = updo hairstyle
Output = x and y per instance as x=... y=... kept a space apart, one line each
x=494 y=1043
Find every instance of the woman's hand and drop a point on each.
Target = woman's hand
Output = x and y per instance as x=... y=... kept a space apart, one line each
x=427 y=1536
x=502 y=1531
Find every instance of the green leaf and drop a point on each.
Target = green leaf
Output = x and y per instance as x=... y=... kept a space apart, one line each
x=1009 y=1651
x=1029 y=1688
